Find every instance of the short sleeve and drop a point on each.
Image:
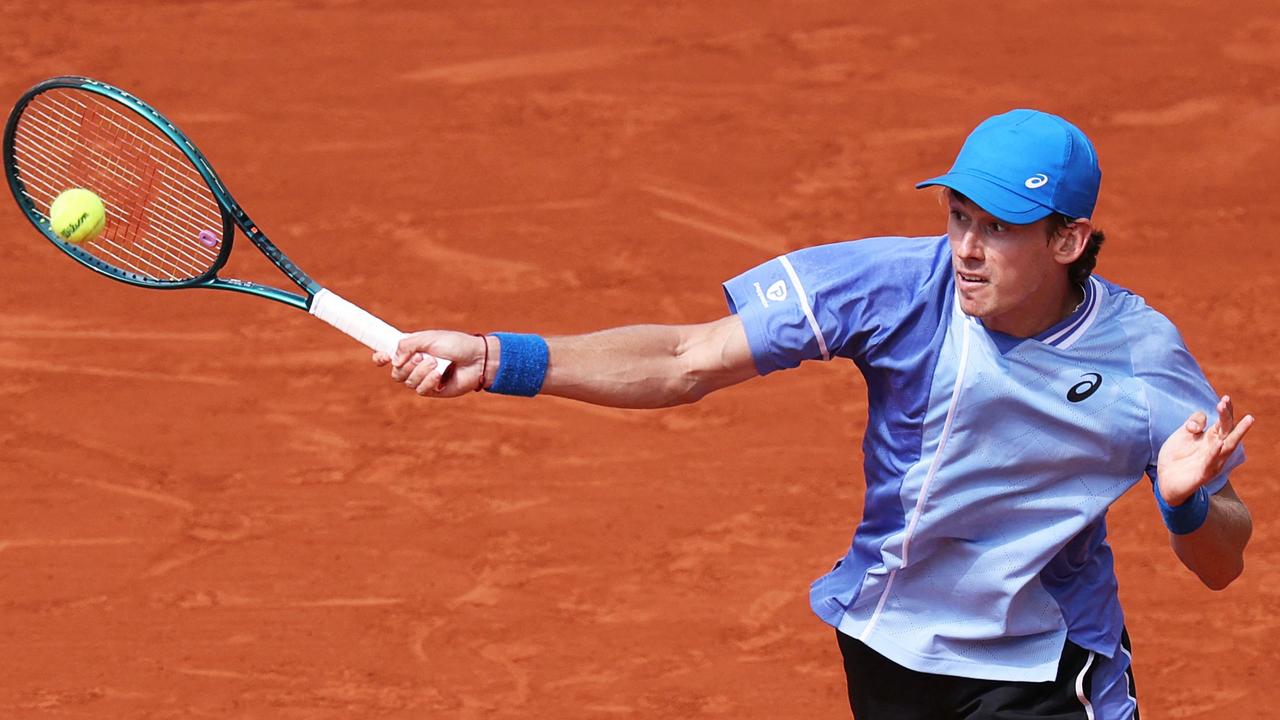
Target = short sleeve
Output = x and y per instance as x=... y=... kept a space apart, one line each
x=1175 y=387
x=832 y=300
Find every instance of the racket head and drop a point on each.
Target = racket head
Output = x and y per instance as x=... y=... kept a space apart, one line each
x=169 y=218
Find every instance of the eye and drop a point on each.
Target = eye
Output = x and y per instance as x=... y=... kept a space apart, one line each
x=958 y=216
x=998 y=227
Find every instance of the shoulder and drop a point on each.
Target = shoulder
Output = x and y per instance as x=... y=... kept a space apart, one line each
x=1172 y=382
x=883 y=262
x=1154 y=341
x=888 y=250
x=840 y=298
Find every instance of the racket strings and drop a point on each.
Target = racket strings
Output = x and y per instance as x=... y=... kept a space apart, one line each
x=162 y=220
x=119 y=245
x=122 y=185
x=119 y=155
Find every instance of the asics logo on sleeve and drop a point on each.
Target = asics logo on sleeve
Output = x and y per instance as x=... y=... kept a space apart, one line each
x=1083 y=389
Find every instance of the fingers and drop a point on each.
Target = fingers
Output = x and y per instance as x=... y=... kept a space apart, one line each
x=381 y=359
x=424 y=377
x=409 y=345
x=1226 y=427
x=1232 y=440
x=1226 y=416
x=1196 y=423
x=1229 y=432
x=401 y=368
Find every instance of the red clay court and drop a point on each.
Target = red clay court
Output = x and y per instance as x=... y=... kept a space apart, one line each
x=212 y=506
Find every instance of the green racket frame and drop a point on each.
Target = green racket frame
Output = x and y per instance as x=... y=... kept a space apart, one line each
x=232 y=214
x=314 y=299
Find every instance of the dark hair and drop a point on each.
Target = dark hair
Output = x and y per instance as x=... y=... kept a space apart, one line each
x=1079 y=271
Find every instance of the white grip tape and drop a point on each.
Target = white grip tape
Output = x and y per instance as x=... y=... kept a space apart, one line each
x=359 y=324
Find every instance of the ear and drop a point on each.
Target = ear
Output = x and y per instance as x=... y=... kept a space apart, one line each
x=1069 y=244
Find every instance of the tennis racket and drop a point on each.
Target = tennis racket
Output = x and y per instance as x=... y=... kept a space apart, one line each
x=170 y=220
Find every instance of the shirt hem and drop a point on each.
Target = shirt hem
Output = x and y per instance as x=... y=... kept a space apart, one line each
x=955 y=668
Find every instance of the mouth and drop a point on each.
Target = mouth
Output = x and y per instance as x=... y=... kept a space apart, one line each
x=967 y=279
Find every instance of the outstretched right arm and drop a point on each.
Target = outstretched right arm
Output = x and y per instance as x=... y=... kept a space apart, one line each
x=641 y=366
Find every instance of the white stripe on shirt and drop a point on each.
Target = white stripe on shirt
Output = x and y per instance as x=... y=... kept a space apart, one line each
x=933 y=471
x=1084 y=700
x=1089 y=302
x=804 y=305
x=1088 y=318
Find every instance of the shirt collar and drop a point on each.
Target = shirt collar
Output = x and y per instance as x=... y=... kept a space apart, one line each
x=1062 y=334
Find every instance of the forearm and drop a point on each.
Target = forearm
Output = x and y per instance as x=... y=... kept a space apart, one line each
x=647 y=366
x=1215 y=551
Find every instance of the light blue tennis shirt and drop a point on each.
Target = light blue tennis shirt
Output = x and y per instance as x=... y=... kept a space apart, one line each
x=990 y=460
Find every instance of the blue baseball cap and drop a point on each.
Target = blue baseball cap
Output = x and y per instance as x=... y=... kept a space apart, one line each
x=1025 y=164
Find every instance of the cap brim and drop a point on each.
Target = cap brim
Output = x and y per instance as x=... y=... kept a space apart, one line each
x=1008 y=206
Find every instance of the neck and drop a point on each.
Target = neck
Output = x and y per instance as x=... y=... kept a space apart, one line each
x=1036 y=315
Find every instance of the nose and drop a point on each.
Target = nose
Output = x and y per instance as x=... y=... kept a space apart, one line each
x=970 y=245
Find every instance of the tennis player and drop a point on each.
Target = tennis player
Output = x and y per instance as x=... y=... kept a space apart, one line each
x=1013 y=397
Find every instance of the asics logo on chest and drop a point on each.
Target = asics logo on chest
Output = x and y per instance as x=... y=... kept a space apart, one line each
x=1083 y=389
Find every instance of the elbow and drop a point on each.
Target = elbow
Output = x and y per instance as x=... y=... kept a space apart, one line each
x=1215 y=584
x=1216 y=570
x=1219 y=575
x=1215 y=553
x=1222 y=575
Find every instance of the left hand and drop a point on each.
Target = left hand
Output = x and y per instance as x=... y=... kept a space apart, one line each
x=1193 y=455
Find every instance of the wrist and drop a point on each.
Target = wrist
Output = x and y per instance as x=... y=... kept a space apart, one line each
x=1173 y=499
x=521 y=364
x=1187 y=516
x=492 y=350
x=486 y=377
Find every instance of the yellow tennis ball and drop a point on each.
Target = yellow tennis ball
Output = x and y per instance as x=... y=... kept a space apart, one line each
x=77 y=215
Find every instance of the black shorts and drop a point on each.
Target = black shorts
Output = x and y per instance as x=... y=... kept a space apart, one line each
x=880 y=689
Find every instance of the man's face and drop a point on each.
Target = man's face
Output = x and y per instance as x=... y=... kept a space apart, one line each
x=1007 y=275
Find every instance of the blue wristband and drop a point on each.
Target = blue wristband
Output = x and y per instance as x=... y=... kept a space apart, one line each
x=1187 y=517
x=522 y=365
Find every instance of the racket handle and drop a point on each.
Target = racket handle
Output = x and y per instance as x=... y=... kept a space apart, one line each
x=359 y=324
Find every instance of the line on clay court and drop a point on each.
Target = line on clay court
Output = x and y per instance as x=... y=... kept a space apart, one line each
x=347 y=602
x=335 y=602
x=131 y=335
x=233 y=675
x=570 y=204
x=32 y=366
x=167 y=566
x=752 y=241
x=517 y=66
x=140 y=493
x=66 y=542
x=712 y=209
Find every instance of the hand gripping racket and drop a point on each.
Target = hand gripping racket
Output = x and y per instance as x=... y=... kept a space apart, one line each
x=170 y=220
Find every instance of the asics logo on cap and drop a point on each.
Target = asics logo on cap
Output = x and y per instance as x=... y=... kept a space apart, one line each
x=1036 y=180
